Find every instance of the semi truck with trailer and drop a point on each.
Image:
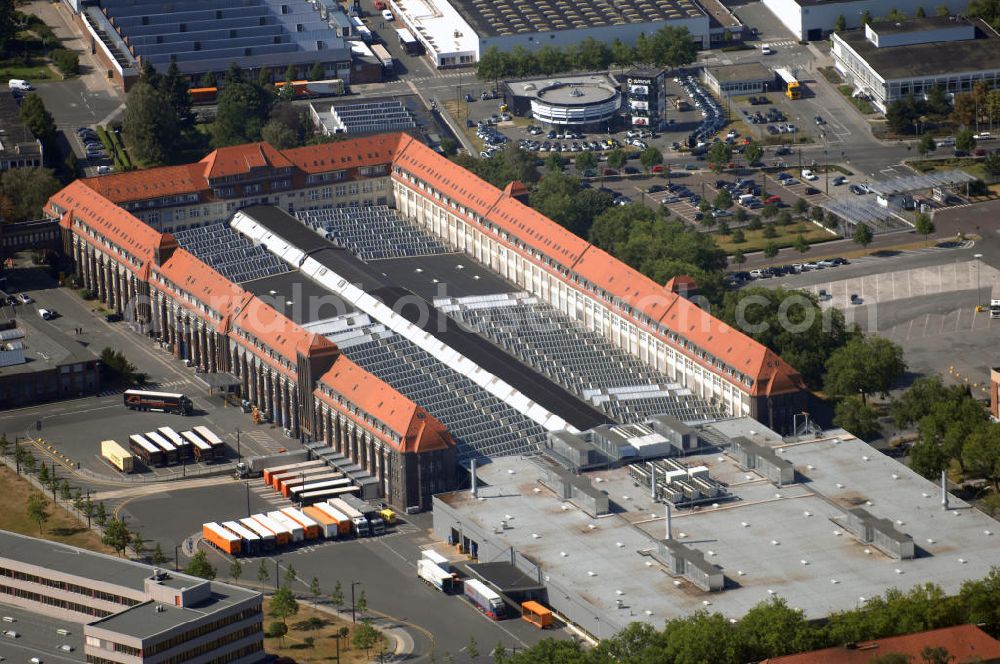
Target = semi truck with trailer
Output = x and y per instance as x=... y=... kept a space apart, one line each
x=221 y=538
x=486 y=600
x=117 y=456
x=358 y=520
x=272 y=474
x=164 y=402
x=994 y=308
x=323 y=495
x=317 y=473
x=432 y=574
x=370 y=512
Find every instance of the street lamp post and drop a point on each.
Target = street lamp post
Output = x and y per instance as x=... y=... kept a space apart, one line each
x=248 y=498
x=353 y=584
x=979 y=296
x=239 y=452
x=277 y=572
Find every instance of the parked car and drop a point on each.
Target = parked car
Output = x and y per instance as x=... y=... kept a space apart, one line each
x=770 y=200
x=387 y=15
x=25 y=298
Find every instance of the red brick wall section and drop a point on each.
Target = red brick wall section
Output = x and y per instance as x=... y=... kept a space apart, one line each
x=98 y=51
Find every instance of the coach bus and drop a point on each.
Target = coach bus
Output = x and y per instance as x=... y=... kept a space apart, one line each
x=164 y=402
x=789 y=84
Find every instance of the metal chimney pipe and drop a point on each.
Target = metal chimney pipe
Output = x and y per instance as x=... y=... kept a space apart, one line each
x=472 y=472
x=944 y=489
x=670 y=530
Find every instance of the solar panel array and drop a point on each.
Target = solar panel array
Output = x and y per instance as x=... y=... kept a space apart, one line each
x=229 y=253
x=372 y=117
x=578 y=359
x=371 y=233
x=481 y=424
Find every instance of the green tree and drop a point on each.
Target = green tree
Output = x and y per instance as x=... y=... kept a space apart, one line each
x=174 y=88
x=158 y=557
x=365 y=636
x=499 y=654
x=337 y=596
x=723 y=200
x=784 y=218
x=263 y=576
x=585 y=161
x=242 y=110
x=209 y=80
x=314 y=588
x=199 y=566
x=866 y=17
x=101 y=514
x=37 y=118
x=738 y=236
x=923 y=225
x=738 y=257
x=926 y=144
x=753 y=152
x=772 y=629
x=719 y=156
x=38 y=509
x=550 y=60
x=981 y=600
x=902 y=114
x=801 y=244
x=650 y=157
x=278 y=630
x=981 y=453
x=280 y=135
x=4 y=445
x=841 y=24
x=862 y=235
x=941 y=10
x=472 y=650
x=702 y=637
x=592 y=55
x=317 y=72
x=492 y=65
x=622 y=54
x=149 y=127
x=770 y=250
x=673 y=47
x=361 y=603
x=895 y=15
x=555 y=163
x=991 y=164
x=8 y=27
x=67 y=61
x=965 y=140
x=291 y=576
x=617 y=158
x=864 y=365
x=858 y=417
x=65 y=491
x=283 y=604
x=770 y=232
x=138 y=543
x=769 y=211
x=43 y=476
x=791 y=324
x=801 y=206
x=116 y=535
x=920 y=13
x=235 y=571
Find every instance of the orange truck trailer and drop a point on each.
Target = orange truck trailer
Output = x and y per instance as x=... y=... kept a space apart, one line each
x=536 y=614
x=282 y=535
x=221 y=538
x=343 y=521
x=309 y=525
x=271 y=475
x=329 y=526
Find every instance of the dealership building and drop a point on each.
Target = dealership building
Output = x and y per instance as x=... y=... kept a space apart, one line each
x=128 y=612
x=585 y=102
x=892 y=60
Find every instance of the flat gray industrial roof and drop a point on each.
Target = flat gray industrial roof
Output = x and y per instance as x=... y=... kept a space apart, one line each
x=46 y=347
x=442 y=275
x=492 y=18
x=751 y=71
x=789 y=541
x=144 y=620
x=298 y=297
x=567 y=90
x=931 y=59
x=915 y=25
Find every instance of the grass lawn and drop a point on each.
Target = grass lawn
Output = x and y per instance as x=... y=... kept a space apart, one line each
x=321 y=627
x=862 y=105
x=61 y=526
x=34 y=70
x=755 y=240
x=970 y=165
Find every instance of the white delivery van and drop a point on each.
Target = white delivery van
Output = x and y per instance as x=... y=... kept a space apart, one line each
x=19 y=84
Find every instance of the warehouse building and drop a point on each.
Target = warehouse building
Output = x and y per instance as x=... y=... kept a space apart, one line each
x=457 y=32
x=587 y=102
x=853 y=524
x=815 y=19
x=127 y=611
x=892 y=60
x=211 y=35
x=744 y=79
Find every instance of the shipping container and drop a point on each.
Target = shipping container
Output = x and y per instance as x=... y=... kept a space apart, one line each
x=285 y=483
x=271 y=473
x=297 y=531
x=309 y=526
x=267 y=539
x=282 y=535
x=536 y=614
x=183 y=446
x=150 y=454
x=343 y=521
x=170 y=452
x=218 y=445
x=329 y=526
x=221 y=538
x=323 y=495
x=250 y=544
x=485 y=599
x=117 y=456
x=202 y=450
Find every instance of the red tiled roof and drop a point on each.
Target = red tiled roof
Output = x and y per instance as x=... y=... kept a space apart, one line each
x=140 y=185
x=965 y=643
x=193 y=276
x=115 y=224
x=368 y=151
x=420 y=431
x=238 y=159
x=270 y=327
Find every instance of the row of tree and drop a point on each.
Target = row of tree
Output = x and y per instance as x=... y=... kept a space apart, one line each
x=667 y=47
x=772 y=629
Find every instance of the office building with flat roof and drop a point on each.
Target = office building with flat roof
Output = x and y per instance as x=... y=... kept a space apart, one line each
x=743 y=79
x=131 y=613
x=815 y=19
x=18 y=146
x=892 y=60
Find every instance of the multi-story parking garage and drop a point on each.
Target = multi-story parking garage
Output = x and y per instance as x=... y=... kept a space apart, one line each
x=351 y=335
